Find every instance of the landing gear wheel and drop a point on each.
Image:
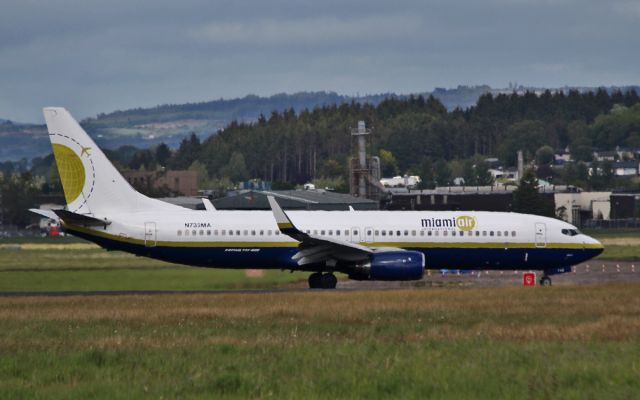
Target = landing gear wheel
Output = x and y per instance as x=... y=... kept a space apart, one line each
x=545 y=281
x=315 y=280
x=329 y=281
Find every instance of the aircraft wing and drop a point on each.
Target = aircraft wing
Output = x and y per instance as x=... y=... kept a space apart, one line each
x=315 y=249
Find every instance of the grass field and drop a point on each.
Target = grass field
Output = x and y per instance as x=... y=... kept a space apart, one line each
x=579 y=342
x=73 y=265
x=619 y=244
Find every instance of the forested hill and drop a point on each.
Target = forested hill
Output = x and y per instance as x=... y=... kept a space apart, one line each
x=417 y=135
x=146 y=127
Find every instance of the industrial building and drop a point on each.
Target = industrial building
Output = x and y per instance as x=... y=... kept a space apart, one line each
x=182 y=182
x=572 y=205
x=294 y=200
x=288 y=199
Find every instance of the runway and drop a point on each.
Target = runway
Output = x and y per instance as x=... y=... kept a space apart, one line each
x=583 y=274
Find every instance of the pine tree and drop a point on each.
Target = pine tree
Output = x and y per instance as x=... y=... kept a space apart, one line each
x=527 y=199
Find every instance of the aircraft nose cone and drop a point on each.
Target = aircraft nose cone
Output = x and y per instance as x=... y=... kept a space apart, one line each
x=595 y=246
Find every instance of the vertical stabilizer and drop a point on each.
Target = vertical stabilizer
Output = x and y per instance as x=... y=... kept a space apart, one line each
x=91 y=184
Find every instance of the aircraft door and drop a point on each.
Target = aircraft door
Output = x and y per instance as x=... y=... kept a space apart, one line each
x=541 y=234
x=368 y=234
x=355 y=235
x=150 y=234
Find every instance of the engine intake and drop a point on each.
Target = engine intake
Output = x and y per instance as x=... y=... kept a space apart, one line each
x=390 y=266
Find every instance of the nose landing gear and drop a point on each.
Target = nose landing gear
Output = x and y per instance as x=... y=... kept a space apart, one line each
x=319 y=280
x=545 y=280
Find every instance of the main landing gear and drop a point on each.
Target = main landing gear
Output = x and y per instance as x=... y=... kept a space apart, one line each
x=545 y=280
x=319 y=280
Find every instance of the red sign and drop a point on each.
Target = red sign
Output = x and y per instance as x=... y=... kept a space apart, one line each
x=529 y=279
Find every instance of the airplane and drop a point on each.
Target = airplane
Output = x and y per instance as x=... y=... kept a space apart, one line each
x=365 y=245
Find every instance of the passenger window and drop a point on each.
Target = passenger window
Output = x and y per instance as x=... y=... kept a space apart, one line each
x=445 y=233
x=330 y=232
x=384 y=233
x=498 y=233
x=261 y=233
x=179 y=232
x=477 y=233
x=237 y=232
x=230 y=232
x=390 y=233
x=437 y=233
x=413 y=233
x=377 y=233
x=484 y=233
x=315 y=232
x=346 y=232
x=398 y=233
x=506 y=233
x=224 y=232
x=406 y=233
x=253 y=233
x=215 y=232
x=369 y=233
x=355 y=233
x=201 y=232
x=421 y=233
x=491 y=233
x=322 y=232
x=277 y=233
x=186 y=232
x=208 y=233
x=246 y=232
x=337 y=232
x=193 y=232
x=513 y=233
x=429 y=233
x=453 y=233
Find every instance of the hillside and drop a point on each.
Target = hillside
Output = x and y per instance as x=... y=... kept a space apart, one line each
x=170 y=123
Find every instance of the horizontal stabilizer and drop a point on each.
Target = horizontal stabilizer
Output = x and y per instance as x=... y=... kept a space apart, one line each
x=45 y=213
x=79 y=219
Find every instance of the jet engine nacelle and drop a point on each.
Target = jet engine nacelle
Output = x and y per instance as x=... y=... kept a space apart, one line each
x=390 y=266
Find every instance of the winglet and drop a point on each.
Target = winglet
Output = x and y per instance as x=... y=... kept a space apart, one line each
x=284 y=223
x=208 y=205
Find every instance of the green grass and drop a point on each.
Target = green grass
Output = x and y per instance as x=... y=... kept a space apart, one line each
x=561 y=342
x=64 y=267
x=620 y=253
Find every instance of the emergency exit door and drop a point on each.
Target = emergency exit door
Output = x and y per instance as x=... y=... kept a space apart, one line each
x=541 y=234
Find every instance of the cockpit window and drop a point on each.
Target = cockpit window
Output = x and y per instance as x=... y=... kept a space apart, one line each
x=570 y=232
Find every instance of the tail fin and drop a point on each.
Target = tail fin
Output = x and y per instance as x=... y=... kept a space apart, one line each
x=91 y=184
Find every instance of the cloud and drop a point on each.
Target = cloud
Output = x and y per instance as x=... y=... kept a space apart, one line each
x=96 y=56
x=307 y=31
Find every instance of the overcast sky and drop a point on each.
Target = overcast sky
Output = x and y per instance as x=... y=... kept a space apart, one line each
x=99 y=56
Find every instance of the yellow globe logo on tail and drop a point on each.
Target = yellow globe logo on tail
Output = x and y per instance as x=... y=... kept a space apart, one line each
x=71 y=170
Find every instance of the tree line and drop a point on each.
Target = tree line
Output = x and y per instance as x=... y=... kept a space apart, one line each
x=414 y=135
